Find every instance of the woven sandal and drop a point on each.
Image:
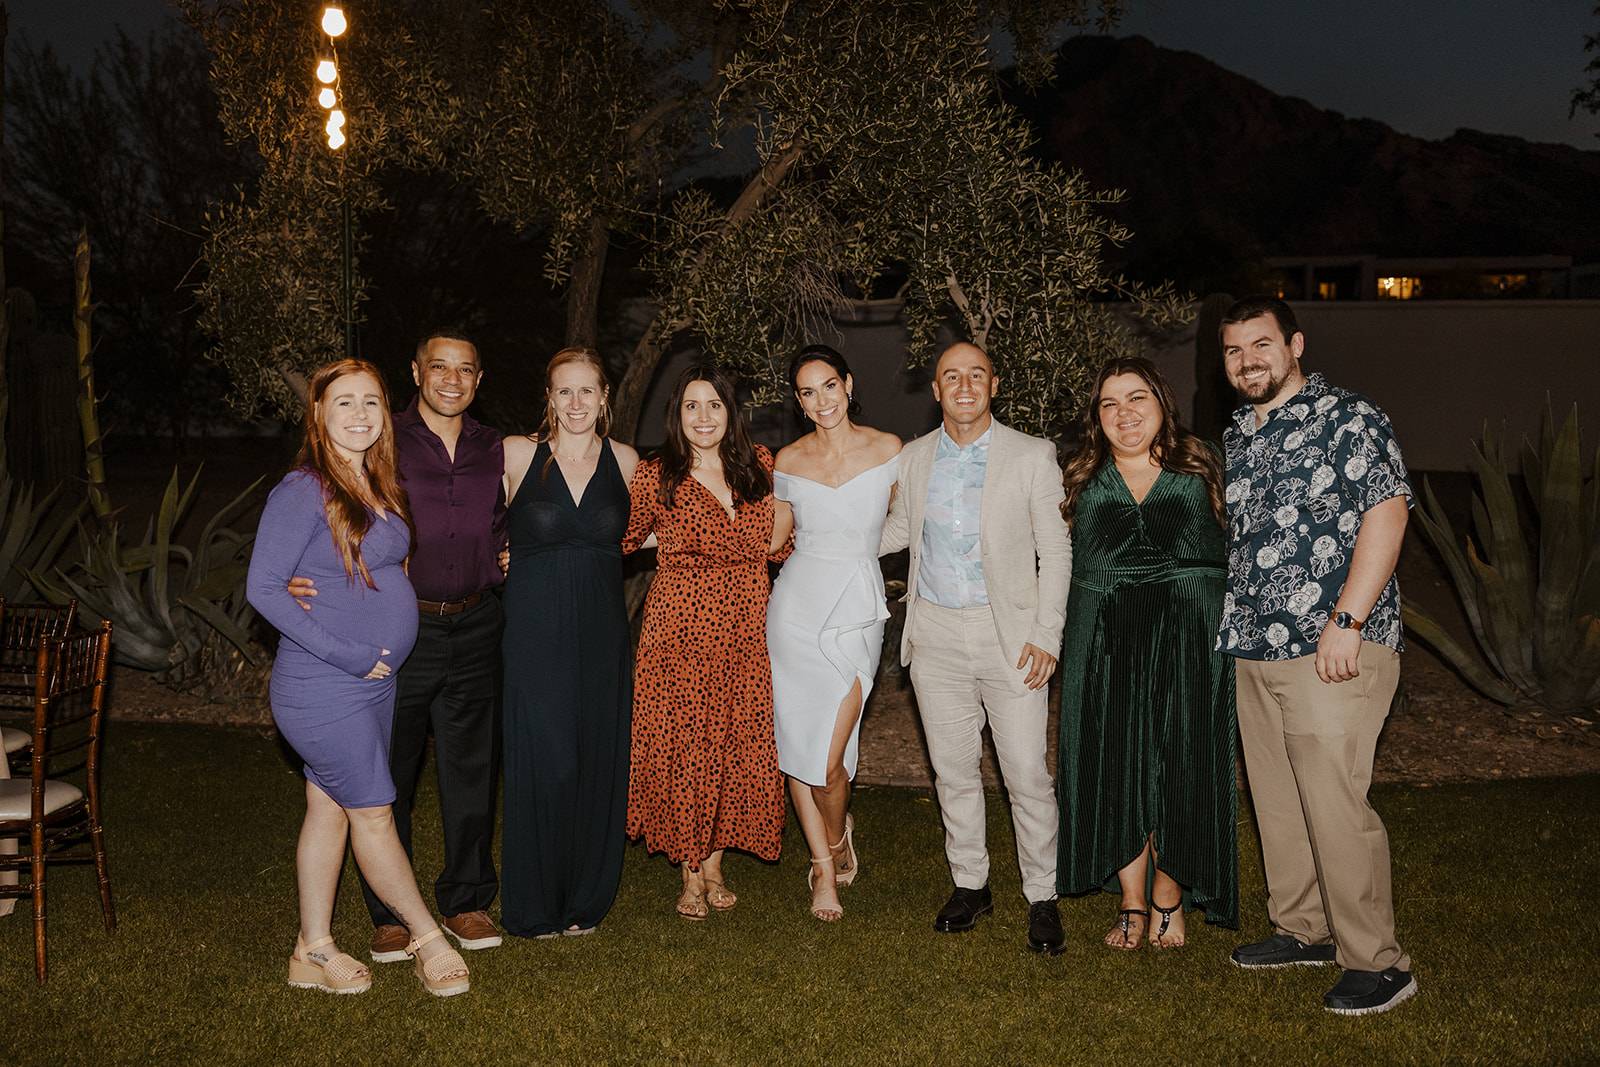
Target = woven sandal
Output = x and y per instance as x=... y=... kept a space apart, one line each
x=342 y=973
x=434 y=971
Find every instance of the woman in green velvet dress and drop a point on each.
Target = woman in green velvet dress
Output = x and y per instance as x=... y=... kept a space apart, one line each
x=1146 y=777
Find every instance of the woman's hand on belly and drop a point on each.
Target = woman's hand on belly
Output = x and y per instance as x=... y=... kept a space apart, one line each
x=381 y=670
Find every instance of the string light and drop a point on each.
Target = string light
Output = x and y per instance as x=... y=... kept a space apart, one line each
x=333 y=23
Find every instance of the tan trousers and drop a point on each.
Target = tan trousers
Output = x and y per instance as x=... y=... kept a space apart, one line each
x=960 y=673
x=1308 y=749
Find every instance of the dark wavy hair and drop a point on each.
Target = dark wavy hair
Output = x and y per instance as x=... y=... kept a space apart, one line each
x=348 y=517
x=819 y=354
x=1253 y=307
x=1174 y=448
x=742 y=468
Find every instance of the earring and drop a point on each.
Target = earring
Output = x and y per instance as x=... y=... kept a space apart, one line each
x=850 y=397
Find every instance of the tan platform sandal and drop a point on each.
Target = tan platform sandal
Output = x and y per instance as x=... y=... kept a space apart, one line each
x=343 y=973
x=432 y=972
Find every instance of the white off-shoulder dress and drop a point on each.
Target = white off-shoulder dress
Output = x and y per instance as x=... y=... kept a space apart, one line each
x=825 y=618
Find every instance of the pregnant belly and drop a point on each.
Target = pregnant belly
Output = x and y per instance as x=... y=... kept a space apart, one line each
x=385 y=616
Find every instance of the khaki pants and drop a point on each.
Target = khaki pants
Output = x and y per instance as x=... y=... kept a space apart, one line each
x=960 y=673
x=1308 y=750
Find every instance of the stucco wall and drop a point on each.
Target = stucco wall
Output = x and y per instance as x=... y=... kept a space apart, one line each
x=1439 y=368
x=1442 y=368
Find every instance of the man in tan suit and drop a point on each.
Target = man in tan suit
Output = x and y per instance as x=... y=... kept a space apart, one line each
x=979 y=506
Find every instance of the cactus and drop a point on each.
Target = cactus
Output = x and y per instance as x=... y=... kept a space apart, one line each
x=88 y=404
x=1533 y=601
x=1213 y=395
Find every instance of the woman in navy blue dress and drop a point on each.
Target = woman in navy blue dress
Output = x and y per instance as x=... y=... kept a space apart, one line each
x=341 y=519
x=568 y=660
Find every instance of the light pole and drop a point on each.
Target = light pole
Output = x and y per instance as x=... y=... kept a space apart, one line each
x=333 y=26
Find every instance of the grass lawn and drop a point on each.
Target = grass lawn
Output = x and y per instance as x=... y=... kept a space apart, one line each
x=1494 y=891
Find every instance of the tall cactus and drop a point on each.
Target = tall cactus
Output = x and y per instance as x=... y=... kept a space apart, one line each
x=88 y=409
x=1213 y=396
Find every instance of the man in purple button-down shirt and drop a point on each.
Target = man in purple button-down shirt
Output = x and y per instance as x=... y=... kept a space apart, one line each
x=451 y=466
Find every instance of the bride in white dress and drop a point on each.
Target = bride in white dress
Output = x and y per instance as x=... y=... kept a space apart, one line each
x=826 y=614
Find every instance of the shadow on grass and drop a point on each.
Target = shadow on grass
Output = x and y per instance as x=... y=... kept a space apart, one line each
x=1494 y=884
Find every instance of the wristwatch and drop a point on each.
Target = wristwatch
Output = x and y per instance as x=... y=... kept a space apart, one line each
x=1345 y=621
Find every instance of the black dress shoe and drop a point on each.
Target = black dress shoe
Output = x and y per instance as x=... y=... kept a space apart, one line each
x=963 y=909
x=1044 y=927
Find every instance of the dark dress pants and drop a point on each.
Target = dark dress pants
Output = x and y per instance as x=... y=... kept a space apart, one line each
x=452 y=683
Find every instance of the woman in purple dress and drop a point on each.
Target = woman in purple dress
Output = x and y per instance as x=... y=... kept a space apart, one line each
x=341 y=519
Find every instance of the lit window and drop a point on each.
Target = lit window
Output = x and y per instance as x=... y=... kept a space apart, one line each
x=1399 y=288
x=1328 y=290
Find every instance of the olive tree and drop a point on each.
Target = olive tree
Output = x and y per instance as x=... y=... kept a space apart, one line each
x=885 y=166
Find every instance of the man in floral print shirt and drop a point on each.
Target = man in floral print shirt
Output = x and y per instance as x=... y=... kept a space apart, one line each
x=1317 y=506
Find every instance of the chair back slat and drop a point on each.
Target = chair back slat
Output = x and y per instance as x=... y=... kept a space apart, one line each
x=69 y=709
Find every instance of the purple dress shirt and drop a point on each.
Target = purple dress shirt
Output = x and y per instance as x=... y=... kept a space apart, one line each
x=457 y=508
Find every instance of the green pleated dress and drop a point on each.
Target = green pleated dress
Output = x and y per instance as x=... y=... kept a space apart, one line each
x=1148 y=731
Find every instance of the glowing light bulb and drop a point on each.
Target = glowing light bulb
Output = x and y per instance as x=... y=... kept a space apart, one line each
x=333 y=23
x=327 y=98
x=326 y=71
x=335 y=139
x=335 y=121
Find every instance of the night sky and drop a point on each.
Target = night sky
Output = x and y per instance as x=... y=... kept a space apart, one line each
x=1424 y=67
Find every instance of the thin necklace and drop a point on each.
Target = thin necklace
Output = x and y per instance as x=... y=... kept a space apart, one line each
x=587 y=452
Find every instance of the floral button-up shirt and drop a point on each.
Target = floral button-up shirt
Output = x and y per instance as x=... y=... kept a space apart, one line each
x=1297 y=487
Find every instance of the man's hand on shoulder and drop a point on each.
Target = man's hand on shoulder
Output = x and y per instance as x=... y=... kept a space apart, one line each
x=1040 y=670
x=1337 y=650
x=300 y=588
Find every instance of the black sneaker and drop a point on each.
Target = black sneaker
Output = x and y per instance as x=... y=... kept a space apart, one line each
x=1369 y=992
x=1280 y=950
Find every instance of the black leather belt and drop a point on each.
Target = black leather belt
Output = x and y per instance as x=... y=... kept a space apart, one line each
x=449 y=607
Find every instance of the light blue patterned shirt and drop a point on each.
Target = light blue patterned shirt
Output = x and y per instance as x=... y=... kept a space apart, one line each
x=951 y=570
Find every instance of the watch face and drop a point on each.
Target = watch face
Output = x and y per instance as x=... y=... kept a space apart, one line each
x=1344 y=622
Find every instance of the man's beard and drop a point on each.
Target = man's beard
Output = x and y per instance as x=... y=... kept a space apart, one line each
x=1264 y=392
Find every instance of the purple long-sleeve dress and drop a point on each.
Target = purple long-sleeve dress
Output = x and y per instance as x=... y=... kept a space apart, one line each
x=336 y=718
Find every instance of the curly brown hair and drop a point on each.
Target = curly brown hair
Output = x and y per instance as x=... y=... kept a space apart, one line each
x=1174 y=447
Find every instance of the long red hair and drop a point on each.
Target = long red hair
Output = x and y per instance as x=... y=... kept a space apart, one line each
x=343 y=499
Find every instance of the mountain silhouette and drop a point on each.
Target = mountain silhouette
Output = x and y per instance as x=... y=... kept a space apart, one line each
x=1219 y=169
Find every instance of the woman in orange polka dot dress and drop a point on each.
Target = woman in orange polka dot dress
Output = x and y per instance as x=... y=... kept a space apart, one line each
x=704 y=764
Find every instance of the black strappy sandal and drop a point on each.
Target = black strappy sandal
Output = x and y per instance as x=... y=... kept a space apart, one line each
x=1122 y=924
x=1166 y=920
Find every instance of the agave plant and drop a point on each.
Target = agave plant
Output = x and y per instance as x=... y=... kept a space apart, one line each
x=165 y=600
x=1533 y=599
x=25 y=544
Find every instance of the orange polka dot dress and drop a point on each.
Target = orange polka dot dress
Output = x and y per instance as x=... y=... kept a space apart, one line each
x=704 y=763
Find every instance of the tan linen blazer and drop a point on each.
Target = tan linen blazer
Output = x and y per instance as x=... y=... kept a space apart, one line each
x=1026 y=550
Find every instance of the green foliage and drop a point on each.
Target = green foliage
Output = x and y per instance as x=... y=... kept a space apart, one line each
x=1587 y=97
x=25 y=542
x=164 y=598
x=884 y=159
x=1533 y=598
x=273 y=300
